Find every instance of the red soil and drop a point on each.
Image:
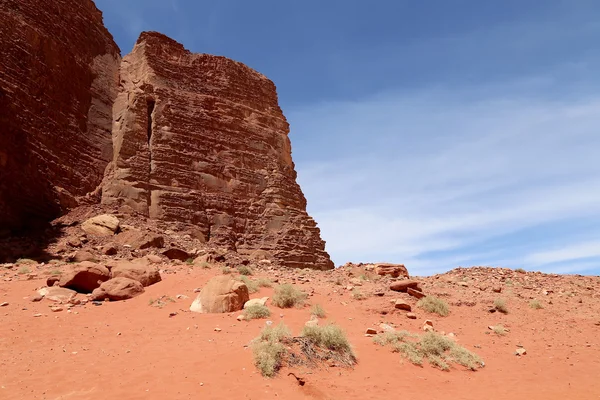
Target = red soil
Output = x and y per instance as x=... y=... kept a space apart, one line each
x=132 y=350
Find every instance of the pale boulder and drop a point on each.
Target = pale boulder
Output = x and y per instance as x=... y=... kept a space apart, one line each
x=101 y=225
x=221 y=294
x=256 y=302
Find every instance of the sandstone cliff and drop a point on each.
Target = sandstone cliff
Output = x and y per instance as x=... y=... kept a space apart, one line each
x=201 y=139
x=58 y=80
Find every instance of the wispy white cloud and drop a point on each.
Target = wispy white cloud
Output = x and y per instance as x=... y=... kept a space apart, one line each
x=438 y=171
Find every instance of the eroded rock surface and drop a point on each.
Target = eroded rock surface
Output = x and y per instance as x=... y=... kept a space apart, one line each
x=58 y=80
x=201 y=139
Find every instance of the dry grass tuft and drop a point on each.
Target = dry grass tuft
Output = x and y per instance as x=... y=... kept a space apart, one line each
x=499 y=330
x=434 y=305
x=256 y=311
x=318 y=311
x=500 y=305
x=288 y=296
x=536 y=305
x=439 y=350
x=245 y=270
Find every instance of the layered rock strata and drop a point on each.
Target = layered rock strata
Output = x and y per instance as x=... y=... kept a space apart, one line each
x=200 y=139
x=58 y=80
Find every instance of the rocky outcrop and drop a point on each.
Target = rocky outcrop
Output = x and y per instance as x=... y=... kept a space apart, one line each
x=190 y=139
x=58 y=81
x=201 y=139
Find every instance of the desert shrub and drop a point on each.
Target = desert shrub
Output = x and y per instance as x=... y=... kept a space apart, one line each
x=264 y=282
x=24 y=270
x=535 y=304
x=358 y=295
x=268 y=349
x=256 y=311
x=434 y=305
x=464 y=357
x=56 y=272
x=275 y=333
x=439 y=350
x=330 y=337
x=250 y=284
x=500 y=305
x=391 y=338
x=245 y=270
x=225 y=270
x=268 y=357
x=318 y=311
x=499 y=330
x=189 y=261
x=520 y=271
x=288 y=296
x=21 y=261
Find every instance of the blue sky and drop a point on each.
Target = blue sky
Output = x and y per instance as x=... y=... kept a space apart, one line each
x=432 y=133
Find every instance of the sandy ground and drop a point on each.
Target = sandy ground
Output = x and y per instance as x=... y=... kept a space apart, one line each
x=132 y=350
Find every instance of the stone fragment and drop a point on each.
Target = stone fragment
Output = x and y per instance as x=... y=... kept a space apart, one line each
x=220 y=295
x=520 y=352
x=402 y=305
x=402 y=286
x=415 y=293
x=411 y=315
x=371 y=331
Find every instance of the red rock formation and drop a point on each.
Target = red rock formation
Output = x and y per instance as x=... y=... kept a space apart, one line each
x=58 y=80
x=201 y=139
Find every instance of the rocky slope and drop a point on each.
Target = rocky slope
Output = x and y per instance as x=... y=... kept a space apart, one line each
x=201 y=139
x=58 y=79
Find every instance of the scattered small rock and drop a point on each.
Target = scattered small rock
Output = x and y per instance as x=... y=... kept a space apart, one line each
x=4 y=304
x=371 y=331
x=411 y=315
x=520 y=352
x=402 y=305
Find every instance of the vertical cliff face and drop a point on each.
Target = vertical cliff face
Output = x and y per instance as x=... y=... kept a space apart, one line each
x=58 y=80
x=201 y=139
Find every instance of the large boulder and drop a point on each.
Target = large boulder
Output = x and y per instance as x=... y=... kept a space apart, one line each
x=175 y=253
x=220 y=295
x=117 y=289
x=402 y=286
x=101 y=225
x=145 y=274
x=84 y=277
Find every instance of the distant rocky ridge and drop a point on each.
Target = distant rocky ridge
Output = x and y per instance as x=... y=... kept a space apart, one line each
x=167 y=134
